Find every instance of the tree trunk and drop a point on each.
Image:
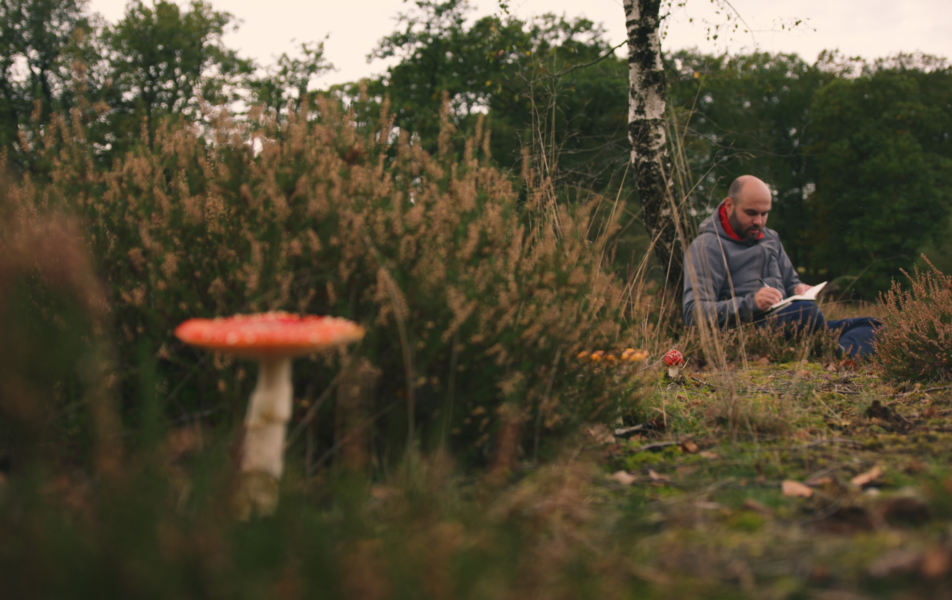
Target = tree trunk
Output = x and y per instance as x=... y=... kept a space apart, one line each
x=646 y=131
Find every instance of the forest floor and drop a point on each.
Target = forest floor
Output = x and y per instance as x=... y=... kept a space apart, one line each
x=762 y=481
x=787 y=481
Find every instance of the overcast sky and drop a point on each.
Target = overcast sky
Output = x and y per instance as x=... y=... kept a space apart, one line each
x=868 y=28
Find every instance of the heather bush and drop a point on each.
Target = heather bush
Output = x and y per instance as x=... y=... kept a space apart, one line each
x=474 y=298
x=915 y=341
x=53 y=378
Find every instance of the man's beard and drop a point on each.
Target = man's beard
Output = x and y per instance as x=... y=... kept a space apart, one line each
x=751 y=233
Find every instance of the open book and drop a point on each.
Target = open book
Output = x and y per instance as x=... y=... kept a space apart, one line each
x=810 y=295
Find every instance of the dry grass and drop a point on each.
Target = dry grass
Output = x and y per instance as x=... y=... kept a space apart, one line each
x=916 y=339
x=54 y=362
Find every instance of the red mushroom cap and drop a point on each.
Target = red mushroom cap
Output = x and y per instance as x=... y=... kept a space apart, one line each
x=673 y=358
x=272 y=334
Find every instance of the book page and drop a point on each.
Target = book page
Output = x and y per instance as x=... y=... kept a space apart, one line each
x=811 y=294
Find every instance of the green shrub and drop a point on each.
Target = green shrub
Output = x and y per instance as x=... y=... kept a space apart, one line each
x=474 y=299
x=915 y=341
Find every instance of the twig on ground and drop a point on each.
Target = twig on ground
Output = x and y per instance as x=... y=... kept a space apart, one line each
x=844 y=392
x=702 y=382
x=625 y=432
x=661 y=445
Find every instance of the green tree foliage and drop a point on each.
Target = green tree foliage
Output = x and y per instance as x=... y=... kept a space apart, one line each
x=158 y=62
x=290 y=79
x=165 y=60
x=748 y=114
x=525 y=75
x=857 y=152
x=883 y=167
x=42 y=45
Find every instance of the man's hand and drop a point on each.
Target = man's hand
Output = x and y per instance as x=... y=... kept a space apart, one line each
x=767 y=297
x=801 y=288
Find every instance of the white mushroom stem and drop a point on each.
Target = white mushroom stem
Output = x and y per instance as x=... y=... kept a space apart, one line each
x=269 y=410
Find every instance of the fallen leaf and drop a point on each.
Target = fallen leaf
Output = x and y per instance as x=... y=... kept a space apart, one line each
x=820 y=481
x=867 y=477
x=689 y=447
x=796 y=489
x=655 y=477
x=708 y=454
x=803 y=373
x=763 y=360
x=707 y=505
x=935 y=563
x=600 y=434
x=751 y=504
x=623 y=477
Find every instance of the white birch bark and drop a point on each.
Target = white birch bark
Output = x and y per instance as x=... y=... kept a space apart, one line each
x=646 y=132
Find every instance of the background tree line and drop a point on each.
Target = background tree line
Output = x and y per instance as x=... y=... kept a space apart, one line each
x=858 y=151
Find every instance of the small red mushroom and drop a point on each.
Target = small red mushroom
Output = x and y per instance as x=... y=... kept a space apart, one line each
x=674 y=361
x=272 y=339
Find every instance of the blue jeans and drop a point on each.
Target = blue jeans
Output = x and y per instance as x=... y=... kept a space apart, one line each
x=856 y=335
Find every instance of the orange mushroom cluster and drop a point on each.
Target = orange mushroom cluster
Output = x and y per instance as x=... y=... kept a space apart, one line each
x=628 y=356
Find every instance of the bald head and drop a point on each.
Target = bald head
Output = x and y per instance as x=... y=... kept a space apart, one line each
x=748 y=203
x=748 y=185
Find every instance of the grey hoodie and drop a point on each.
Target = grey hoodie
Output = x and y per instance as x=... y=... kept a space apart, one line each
x=721 y=274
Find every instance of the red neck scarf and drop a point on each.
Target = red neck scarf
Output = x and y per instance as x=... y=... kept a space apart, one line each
x=726 y=224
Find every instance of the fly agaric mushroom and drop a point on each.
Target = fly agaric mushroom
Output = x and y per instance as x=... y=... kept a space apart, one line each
x=272 y=339
x=674 y=361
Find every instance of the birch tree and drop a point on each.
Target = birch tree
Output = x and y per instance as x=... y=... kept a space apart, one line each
x=650 y=162
x=662 y=215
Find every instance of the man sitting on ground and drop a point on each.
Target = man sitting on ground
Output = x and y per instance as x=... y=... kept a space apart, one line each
x=736 y=269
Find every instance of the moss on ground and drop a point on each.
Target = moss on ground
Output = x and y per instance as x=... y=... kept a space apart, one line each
x=711 y=508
